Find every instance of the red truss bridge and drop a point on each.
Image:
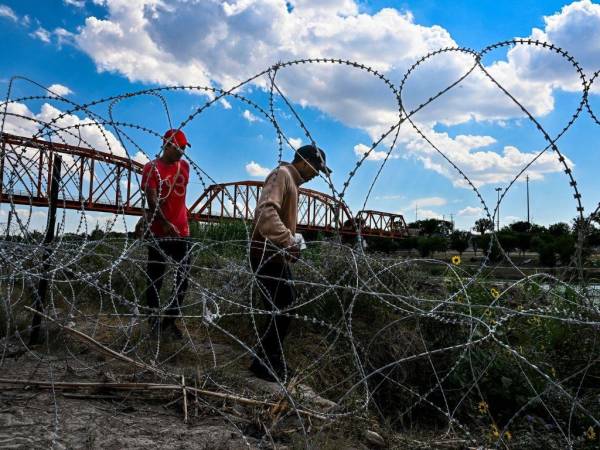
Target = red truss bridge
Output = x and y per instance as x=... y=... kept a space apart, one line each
x=98 y=181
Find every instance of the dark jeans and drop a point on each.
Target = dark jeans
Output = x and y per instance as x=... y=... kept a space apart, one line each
x=276 y=294
x=158 y=257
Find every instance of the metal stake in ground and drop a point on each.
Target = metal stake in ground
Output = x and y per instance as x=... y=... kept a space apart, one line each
x=40 y=294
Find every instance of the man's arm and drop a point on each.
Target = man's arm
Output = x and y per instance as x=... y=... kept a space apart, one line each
x=269 y=223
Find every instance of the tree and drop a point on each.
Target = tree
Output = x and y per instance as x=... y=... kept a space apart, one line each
x=537 y=229
x=97 y=234
x=508 y=241
x=489 y=243
x=482 y=225
x=547 y=257
x=559 y=229
x=475 y=243
x=520 y=227
x=565 y=247
x=523 y=241
x=427 y=245
x=430 y=227
x=459 y=241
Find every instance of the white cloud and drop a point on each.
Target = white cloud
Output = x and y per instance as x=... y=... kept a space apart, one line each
x=249 y=116
x=428 y=201
x=388 y=197
x=123 y=44
x=42 y=34
x=256 y=170
x=337 y=7
x=63 y=36
x=6 y=11
x=426 y=214
x=226 y=42
x=418 y=207
x=92 y=135
x=510 y=219
x=59 y=90
x=376 y=155
x=296 y=142
x=470 y=211
x=576 y=29
x=141 y=157
x=481 y=167
x=76 y=3
x=225 y=103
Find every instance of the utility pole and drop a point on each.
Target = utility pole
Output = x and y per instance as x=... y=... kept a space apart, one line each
x=498 y=190
x=528 y=199
x=416 y=212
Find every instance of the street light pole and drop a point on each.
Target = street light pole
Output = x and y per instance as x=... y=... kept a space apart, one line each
x=528 y=199
x=498 y=190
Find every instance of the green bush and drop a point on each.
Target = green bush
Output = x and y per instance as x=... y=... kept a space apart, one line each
x=459 y=241
x=230 y=230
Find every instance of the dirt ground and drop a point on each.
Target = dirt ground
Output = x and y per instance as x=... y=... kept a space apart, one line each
x=72 y=418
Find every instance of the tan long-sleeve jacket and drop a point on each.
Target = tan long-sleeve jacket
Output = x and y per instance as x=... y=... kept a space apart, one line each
x=277 y=209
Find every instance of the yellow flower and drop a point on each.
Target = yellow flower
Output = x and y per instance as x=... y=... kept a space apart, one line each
x=590 y=434
x=507 y=435
x=494 y=430
x=495 y=293
x=482 y=407
x=535 y=320
x=553 y=372
x=456 y=260
x=459 y=299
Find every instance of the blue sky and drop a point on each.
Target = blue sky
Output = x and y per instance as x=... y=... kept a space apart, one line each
x=99 y=48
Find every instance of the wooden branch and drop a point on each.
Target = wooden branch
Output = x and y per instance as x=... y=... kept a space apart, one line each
x=60 y=385
x=140 y=386
x=185 y=411
x=88 y=339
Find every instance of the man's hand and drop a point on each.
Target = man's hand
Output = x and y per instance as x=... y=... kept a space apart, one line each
x=140 y=228
x=170 y=229
x=293 y=253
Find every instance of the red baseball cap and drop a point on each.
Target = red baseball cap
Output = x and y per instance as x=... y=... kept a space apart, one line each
x=177 y=137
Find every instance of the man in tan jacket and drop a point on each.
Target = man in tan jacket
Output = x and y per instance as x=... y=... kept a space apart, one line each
x=272 y=250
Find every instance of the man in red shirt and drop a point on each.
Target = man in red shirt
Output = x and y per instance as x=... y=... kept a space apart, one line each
x=164 y=182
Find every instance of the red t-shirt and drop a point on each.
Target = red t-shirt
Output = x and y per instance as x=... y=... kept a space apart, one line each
x=170 y=181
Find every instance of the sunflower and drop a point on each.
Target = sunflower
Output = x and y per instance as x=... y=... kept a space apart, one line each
x=590 y=434
x=507 y=435
x=495 y=293
x=482 y=407
x=456 y=260
x=494 y=431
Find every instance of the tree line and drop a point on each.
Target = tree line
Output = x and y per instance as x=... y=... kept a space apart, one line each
x=554 y=244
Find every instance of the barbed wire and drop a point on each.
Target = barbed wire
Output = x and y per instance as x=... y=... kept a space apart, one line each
x=370 y=328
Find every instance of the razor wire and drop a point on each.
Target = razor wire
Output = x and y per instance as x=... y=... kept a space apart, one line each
x=96 y=284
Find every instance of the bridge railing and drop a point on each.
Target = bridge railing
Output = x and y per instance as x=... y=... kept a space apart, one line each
x=97 y=181
x=90 y=179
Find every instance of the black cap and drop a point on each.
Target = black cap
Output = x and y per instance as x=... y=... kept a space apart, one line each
x=314 y=156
